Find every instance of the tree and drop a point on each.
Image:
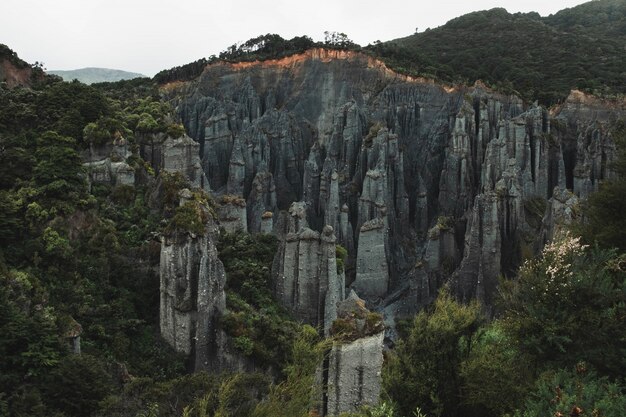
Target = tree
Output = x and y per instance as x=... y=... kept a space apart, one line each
x=58 y=171
x=495 y=376
x=569 y=306
x=425 y=369
x=338 y=40
x=575 y=393
x=296 y=396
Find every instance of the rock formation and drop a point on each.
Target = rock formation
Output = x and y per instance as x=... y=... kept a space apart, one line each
x=380 y=157
x=193 y=297
x=106 y=164
x=231 y=213
x=305 y=278
x=352 y=369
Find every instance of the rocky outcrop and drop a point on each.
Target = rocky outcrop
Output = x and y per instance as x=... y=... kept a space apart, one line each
x=352 y=369
x=181 y=155
x=108 y=172
x=106 y=163
x=193 y=298
x=305 y=278
x=563 y=209
x=372 y=277
x=231 y=213
x=354 y=374
x=381 y=157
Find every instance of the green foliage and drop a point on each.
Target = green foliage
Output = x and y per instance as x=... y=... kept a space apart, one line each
x=424 y=370
x=175 y=130
x=495 y=377
x=58 y=171
x=71 y=254
x=10 y=55
x=338 y=40
x=259 y=326
x=537 y=58
x=171 y=184
x=357 y=323
x=183 y=72
x=578 y=393
x=147 y=124
x=195 y=395
x=297 y=395
x=270 y=46
x=78 y=384
x=105 y=130
x=341 y=254
x=239 y=394
x=29 y=345
x=567 y=306
x=383 y=409
x=445 y=223
x=143 y=396
x=191 y=217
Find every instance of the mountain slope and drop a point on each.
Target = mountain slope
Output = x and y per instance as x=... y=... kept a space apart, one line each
x=96 y=75
x=540 y=58
x=15 y=71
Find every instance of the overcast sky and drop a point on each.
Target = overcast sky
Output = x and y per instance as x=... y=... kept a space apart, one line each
x=146 y=36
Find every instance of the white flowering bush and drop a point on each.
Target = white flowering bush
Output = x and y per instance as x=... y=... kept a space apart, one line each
x=569 y=305
x=555 y=268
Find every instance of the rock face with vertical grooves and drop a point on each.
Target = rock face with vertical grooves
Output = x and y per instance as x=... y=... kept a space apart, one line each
x=353 y=366
x=359 y=145
x=181 y=155
x=192 y=299
x=106 y=164
x=354 y=375
x=231 y=213
x=305 y=273
x=372 y=278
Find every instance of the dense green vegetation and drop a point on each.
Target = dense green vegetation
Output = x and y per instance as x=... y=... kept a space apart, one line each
x=67 y=253
x=10 y=55
x=261 y=329
x=79 y=260
x=537 y=58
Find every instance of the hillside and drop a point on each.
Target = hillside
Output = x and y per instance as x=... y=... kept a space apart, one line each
x=534 y=57
x=17 y=72
x=540 y=58
x=95 y=75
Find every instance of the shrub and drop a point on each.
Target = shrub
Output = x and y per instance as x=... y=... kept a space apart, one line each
x=575 y=393
x=341 y=254
x=567 y=305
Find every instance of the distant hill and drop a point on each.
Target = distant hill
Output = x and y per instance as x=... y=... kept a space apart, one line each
x=537 y=57
x=96 y=75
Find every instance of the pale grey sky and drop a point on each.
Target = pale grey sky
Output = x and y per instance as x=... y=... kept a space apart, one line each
x=149 y=35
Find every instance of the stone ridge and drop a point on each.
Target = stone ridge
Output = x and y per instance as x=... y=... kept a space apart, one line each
x=315 y=54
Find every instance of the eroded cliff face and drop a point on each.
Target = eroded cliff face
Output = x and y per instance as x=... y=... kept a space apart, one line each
x=351 y=373
x=383 y=158
x=305 y=276
x=193 y=298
